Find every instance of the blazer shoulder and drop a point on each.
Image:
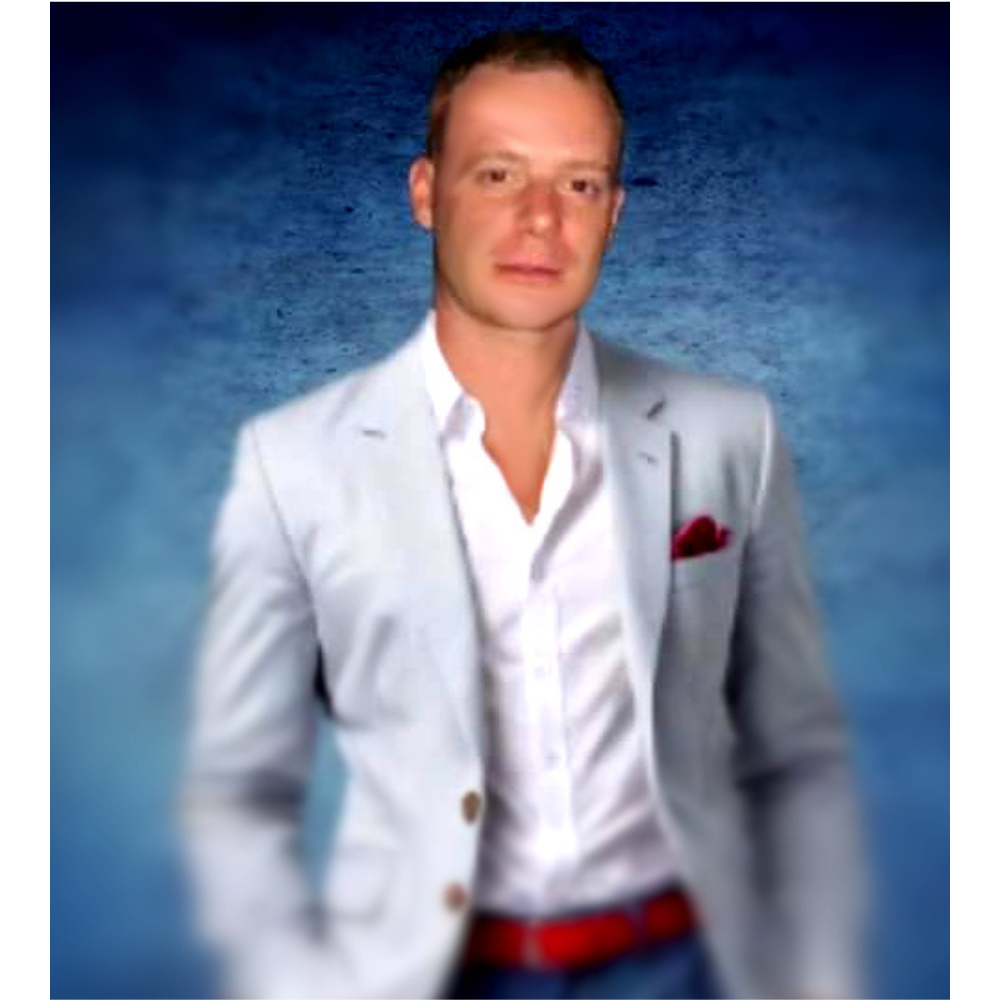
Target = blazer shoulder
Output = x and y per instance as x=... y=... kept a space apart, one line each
x=325 y=414
x=696 y=401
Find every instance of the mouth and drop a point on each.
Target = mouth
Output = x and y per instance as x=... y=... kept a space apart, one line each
x=529 y=272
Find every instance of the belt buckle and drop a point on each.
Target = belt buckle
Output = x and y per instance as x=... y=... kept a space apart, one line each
x=534 y=958
x=532 y=954
x=636 y=912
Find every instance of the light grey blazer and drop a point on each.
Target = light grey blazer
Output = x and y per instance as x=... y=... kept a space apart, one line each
x=337 y=549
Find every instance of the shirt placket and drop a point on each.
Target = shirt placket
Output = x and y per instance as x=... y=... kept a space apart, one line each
x=544 y=682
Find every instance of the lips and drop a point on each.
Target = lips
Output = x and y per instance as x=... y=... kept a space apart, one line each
x=529 y=270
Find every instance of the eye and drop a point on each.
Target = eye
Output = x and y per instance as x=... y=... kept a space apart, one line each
x=589 y=187
x=494 y=176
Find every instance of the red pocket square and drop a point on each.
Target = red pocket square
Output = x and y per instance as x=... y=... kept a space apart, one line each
x=700 y=536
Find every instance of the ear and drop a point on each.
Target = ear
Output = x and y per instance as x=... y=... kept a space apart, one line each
x=616 y=209
x=618 y=199
x=421 y=192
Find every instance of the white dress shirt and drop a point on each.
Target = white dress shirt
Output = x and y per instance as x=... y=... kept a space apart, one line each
x=570 y=821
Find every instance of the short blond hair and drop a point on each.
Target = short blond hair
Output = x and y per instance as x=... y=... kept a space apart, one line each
x=518 y=50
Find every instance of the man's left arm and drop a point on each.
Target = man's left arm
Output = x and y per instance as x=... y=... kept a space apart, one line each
x=793 y=759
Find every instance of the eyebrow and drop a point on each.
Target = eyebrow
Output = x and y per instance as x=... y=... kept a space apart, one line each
x=509 y=157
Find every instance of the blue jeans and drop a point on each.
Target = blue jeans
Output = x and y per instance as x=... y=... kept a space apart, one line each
x=677 y=970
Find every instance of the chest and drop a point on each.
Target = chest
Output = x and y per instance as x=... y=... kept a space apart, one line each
x=520 y=564
x=522 y=457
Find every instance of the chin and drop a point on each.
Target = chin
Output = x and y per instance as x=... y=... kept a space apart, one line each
x=532 y=311
x=529 y=318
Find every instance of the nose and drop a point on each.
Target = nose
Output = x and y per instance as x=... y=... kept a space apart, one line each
x=541 y=211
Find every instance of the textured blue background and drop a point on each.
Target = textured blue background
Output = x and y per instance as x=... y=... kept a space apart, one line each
x=229 y=227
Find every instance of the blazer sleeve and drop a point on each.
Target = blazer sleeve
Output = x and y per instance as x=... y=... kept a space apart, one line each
x=252 y=743
x=793 y=758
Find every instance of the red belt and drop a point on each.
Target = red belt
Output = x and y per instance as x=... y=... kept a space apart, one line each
x=574 y=942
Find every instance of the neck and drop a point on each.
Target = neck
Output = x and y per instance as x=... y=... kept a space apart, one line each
x=510 y=372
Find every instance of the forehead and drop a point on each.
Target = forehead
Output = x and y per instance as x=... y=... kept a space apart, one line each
x=549 y=108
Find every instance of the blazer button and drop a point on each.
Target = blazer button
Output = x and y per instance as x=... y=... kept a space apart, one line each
x=471 y=804
x=455 y=897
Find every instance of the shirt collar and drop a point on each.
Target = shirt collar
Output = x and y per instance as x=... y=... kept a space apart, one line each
x=577 y=401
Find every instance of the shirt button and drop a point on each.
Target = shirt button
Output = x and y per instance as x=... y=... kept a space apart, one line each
x=455 y=897
x=471 y=804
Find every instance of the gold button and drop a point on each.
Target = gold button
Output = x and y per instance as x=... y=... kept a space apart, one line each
x=455 y=897
x=471 y=804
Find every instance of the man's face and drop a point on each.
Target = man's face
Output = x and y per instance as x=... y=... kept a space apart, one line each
x=521 y=199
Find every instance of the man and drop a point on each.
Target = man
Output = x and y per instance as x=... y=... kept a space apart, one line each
x=557 y=598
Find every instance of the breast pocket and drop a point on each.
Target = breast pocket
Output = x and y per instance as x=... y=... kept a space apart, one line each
x=713 y=569
x=704 y=591
x=696 y=654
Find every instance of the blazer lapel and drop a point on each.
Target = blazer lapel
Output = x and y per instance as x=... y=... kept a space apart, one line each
x=403 y=453
x=638 y=459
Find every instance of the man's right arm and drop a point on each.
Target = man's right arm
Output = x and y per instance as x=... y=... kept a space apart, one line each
x=251 y=749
